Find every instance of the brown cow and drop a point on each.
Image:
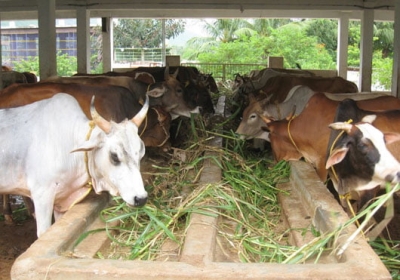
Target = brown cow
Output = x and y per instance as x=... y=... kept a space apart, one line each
x=259 y=111
x=113 y=103
x=279 y=86
x=307 y=135
x=168 y=93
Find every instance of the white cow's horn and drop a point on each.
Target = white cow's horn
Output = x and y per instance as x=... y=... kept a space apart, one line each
x=99 y=120
x=141 y=115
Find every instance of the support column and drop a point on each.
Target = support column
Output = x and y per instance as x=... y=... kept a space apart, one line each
x=163 y=52
x=107 y=39
x=1 y=58
x=47 y=39
x=83 y=39
x=343 y=43
x=367 y=32
x=396 y=52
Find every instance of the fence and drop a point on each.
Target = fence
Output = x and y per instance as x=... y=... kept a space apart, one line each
x=225 y=71
x=139 y=55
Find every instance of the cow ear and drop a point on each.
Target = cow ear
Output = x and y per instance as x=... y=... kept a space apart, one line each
x=156 y=91
x=391 y=137
x=336 y=156
x=85 y=147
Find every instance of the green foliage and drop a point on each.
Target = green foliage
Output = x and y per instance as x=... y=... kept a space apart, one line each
x=325 y=30
x=66 y=65
x=245 y=50
x=145 y=33
x=382 y=71
x=289 y=41
x=292 y=43
x=29 y=65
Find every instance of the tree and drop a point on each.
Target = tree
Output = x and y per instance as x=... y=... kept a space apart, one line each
x=145 y=33
x=384 y=38
x=326 y=30
x=264 y=26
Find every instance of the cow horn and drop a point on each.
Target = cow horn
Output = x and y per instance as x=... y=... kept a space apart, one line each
x=141 y=115
x=166 y=72
x=341 y=126
x=99 y=120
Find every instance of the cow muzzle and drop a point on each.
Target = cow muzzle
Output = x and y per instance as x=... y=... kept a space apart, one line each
x=140 y=201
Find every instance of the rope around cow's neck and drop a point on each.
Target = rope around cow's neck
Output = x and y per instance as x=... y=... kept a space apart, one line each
x=290 y=135
x=89 y=183
x=346 y=196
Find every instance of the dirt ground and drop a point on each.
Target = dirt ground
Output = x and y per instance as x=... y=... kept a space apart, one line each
x=14 y=239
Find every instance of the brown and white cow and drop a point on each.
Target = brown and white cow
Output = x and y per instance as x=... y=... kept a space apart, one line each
x=353 y=164
x=307 y=135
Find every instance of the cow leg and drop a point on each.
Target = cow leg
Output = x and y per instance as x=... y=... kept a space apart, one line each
x=30 y=208
x=43 y=204
x=7 y=209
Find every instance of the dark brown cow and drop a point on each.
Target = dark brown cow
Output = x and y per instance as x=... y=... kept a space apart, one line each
x=167 y=93
x=195 y=85
x=113 y=103
x=307 y=135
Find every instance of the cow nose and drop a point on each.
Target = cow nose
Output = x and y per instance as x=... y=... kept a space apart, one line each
x=393 y=178
x=140 y=201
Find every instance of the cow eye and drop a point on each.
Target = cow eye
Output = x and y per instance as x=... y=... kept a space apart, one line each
x=114 y=158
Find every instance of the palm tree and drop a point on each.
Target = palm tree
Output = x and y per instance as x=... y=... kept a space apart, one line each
x=384 y=34
x=219 y=31
x=263 y=26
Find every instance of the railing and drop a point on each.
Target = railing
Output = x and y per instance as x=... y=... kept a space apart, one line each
x=225 y=71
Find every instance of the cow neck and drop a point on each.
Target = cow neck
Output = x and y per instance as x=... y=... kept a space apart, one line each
x=89 y=183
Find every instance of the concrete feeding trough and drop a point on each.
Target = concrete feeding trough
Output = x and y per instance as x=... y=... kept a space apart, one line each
x=52 y=256
x=305 y=201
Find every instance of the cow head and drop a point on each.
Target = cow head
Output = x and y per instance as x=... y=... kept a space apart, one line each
x=361 y=158
x=253 y=119
x=172 y=99
x=155 y=128
x=115 y=151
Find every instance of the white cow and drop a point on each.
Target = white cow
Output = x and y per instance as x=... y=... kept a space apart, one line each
x=49 y=151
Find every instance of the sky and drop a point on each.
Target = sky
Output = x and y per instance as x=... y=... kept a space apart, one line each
x=193 y=28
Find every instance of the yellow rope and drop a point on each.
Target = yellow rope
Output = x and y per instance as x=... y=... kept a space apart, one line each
x=91 y=127
x=290 y=135
x=346 y=196
x=89 y=183
x=333 y=144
